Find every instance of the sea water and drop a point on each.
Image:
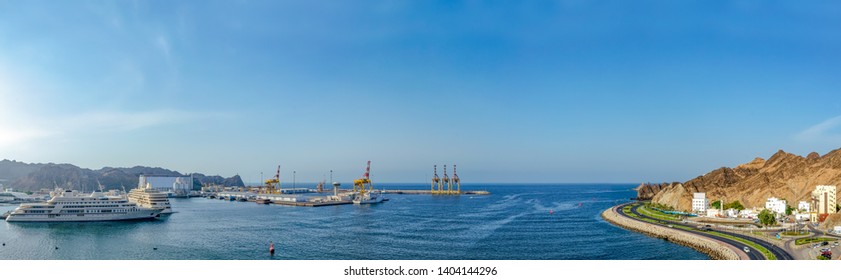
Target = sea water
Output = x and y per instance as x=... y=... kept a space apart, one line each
x=531 y=221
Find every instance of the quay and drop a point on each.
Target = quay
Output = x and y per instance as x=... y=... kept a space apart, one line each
x=312 y=203
x=432 y=192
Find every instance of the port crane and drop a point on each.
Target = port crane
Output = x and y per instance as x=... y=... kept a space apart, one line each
x=445 y=180
x=273 y=184
x=456 y=180
x=436 y=182
x=363 y=185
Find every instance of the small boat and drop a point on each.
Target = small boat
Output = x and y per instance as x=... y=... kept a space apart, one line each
x=242 y=199
x=368 y=198
x=263 y=201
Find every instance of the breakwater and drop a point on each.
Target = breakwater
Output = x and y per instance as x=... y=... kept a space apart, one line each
x=712 y=248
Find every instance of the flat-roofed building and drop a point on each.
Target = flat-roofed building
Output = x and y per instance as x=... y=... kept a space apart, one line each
x=700 y=203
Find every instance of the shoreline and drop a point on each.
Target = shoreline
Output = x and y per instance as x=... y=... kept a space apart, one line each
x=713 y=248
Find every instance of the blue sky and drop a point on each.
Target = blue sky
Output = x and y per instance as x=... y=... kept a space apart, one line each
x=511 y=91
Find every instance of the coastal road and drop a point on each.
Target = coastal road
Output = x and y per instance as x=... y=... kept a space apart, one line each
x=753 y=255
x=778 y=252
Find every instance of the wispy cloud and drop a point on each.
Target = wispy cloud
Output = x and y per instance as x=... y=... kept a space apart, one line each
x=163 y=45
x=826 y=131
x=27 y=129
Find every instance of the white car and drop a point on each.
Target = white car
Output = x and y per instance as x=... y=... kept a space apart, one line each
x=747 y=250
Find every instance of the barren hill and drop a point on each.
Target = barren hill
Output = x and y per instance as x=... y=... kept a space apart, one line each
x=783 y=175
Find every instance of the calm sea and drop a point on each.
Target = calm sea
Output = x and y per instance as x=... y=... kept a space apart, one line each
x=545 y=221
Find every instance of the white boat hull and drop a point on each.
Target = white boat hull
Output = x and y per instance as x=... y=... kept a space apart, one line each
x=368 y=200
x=86 y=217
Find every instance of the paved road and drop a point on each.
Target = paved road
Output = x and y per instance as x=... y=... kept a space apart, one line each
x=753 y=254
x=778 y=252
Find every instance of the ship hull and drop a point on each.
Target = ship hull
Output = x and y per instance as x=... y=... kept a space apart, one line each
x=86 y=217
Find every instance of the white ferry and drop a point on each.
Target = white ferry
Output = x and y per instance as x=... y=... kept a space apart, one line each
x=150 y=198
x=69 y=206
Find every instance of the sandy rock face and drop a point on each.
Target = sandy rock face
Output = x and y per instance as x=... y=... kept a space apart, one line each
x=783 y=175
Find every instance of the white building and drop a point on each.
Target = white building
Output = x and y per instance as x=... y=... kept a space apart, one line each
x=172 y=184
x=776 y=205
x=732 y=212
x=804 y=206
x=824 y=197
x=713 y=213
x=748 y=213
x=700 y=203
x=803 y=216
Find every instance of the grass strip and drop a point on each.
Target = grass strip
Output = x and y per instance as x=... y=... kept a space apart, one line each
x=767 y=253
x=801 y=241
x=657 y=214
x=751 y=244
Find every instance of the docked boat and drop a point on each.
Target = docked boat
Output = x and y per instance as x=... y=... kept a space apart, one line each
x=263 y=201
x=150 y=198
x=370 y=197
x=69 y=206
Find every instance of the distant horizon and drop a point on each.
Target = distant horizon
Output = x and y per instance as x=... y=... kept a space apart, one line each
x=536 y=91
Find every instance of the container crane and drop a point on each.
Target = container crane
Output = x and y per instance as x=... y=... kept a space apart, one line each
x=435 y=180
x=273 y=184
x=363 y=185
x=445 y=180
x=456 y=180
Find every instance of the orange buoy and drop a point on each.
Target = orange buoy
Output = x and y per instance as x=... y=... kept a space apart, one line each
x=271 y=248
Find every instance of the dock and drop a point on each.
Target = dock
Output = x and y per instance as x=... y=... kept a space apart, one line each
x=312 y=203
x=432 y=192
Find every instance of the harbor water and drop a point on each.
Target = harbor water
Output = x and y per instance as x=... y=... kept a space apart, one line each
x=533 y=221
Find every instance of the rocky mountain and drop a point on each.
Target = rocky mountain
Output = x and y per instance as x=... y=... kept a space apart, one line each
x=783 y=175
x=11 y=170
x=646 y=191
x=32 y=177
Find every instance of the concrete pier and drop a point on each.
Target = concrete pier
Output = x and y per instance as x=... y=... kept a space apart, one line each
x=430 y=192
x=312 y=203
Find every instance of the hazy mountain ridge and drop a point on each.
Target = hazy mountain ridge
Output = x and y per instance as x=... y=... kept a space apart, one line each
x=783 y=175
x=35 y=176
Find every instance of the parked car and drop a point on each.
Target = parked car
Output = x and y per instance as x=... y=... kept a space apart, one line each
x=824 y=243
x=747 y=250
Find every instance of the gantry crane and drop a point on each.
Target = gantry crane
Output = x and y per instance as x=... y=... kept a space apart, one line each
x=436 y=182
x=273 y=184
x=456 y=180
x=445 y=180
x=363 y=185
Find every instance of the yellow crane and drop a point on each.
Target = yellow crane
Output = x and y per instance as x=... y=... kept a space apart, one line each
x=445 y=180
x=456 y=180
x=273 y=184
x=435 y=180
x=363 y=185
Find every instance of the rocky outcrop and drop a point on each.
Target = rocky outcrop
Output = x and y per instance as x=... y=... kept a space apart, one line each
x=712 y=248
x=783 y=175
x=831 y=221
x=646 y=191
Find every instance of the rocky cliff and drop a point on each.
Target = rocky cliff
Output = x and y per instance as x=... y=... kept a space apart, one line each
x=783 y=175
x=32 y=177
x=646 y=191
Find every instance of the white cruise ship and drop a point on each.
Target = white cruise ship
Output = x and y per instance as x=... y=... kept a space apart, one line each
x=69 y=206
x=150 y=198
